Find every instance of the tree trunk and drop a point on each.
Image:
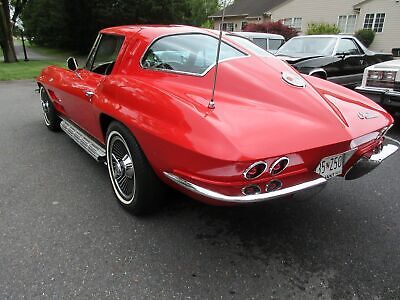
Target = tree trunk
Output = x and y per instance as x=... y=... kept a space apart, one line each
x=6 y=38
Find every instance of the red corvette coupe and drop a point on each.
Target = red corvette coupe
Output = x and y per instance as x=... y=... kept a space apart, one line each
x=144 y=104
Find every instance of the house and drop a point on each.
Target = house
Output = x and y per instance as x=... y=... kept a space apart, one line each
x=242 y=12
x=382 y=16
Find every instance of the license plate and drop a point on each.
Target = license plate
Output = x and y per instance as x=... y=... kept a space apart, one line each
x=330 y=166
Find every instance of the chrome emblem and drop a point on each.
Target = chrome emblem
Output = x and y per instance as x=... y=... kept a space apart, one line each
x=293 y=79
x=367 y=115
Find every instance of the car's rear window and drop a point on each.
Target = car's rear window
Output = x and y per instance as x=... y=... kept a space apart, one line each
x=187 y=53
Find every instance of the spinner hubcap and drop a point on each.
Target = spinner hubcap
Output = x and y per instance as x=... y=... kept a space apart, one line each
x=121 y=167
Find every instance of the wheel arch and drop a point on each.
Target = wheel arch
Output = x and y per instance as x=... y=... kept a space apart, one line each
x=105 y=121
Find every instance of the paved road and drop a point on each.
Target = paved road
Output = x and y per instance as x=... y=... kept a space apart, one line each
x=63 y=235
x=32 y=55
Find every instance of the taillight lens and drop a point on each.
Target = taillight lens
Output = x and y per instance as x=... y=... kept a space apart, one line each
x=384 y=79
x=255 y=170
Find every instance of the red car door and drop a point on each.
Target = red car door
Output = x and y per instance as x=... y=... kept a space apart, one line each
x=82 y=87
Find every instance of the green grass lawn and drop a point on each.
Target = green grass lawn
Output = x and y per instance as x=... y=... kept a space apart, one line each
x=51 y=52
x=25 y=70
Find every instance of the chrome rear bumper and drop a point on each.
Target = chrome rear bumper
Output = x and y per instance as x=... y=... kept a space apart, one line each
x=319 y=182
x=366 y=164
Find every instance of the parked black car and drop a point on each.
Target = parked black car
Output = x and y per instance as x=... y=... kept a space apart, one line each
x=338 y=58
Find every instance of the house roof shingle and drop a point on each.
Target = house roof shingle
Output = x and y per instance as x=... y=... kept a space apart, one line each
x=251 y=8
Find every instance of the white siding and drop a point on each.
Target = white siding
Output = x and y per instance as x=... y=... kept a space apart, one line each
x=327 y=11
x=390 y=36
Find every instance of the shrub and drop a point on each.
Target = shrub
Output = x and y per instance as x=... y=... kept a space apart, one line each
x=273 y=27
x=209 y=24
x=365 y=36
x=322 y=28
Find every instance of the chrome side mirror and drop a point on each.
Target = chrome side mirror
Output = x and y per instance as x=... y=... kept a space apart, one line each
x=72 y=64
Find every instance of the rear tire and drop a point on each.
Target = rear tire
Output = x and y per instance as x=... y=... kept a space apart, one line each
x=134 y=182
x=50 y=117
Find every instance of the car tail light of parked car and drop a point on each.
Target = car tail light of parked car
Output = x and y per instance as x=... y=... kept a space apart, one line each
x=384 y=79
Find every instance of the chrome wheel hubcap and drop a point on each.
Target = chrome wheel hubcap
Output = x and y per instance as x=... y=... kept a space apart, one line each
x=45 y=106
x=122 y=171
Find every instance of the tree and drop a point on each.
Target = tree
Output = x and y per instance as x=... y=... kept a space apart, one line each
x=73 y=24
x=6 y=38
x=6 y=27
x=19 y=6
x=273 y=27
x=200 y=10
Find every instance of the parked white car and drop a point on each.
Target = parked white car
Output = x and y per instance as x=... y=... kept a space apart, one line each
x=381 y=83
x=267 y=41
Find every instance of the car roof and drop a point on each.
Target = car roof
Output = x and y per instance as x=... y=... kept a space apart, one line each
x=324 y=36
x=129 y=30
x=258 y=34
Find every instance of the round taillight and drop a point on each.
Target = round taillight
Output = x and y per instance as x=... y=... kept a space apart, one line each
x=255 y=170
x=273 y=185
x=279 y=165
x=251 y=190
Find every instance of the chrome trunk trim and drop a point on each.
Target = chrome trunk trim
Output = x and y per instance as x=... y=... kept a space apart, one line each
x=245 y=199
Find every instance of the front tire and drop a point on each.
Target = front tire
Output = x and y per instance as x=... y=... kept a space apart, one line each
x=134 y=182
x=50 y=117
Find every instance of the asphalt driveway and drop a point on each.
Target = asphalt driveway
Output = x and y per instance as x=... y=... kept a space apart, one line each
x=64 y=235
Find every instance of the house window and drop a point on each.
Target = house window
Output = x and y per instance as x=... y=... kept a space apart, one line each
x=227 y=27
x=293 y=22
x=379 y=20
x=347 y=24
x=374 y=21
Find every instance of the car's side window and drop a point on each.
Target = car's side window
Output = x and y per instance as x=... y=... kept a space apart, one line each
x=348 y=47
x=261 y=42
x=105 y=53
x=275 y=44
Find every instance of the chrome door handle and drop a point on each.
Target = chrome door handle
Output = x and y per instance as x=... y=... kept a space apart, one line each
x=89 y=94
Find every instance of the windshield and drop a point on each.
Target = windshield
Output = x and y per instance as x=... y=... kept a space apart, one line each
x=308 y=46
x=249 y=45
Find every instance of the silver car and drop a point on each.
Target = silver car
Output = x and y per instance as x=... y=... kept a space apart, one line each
x=267 y=41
